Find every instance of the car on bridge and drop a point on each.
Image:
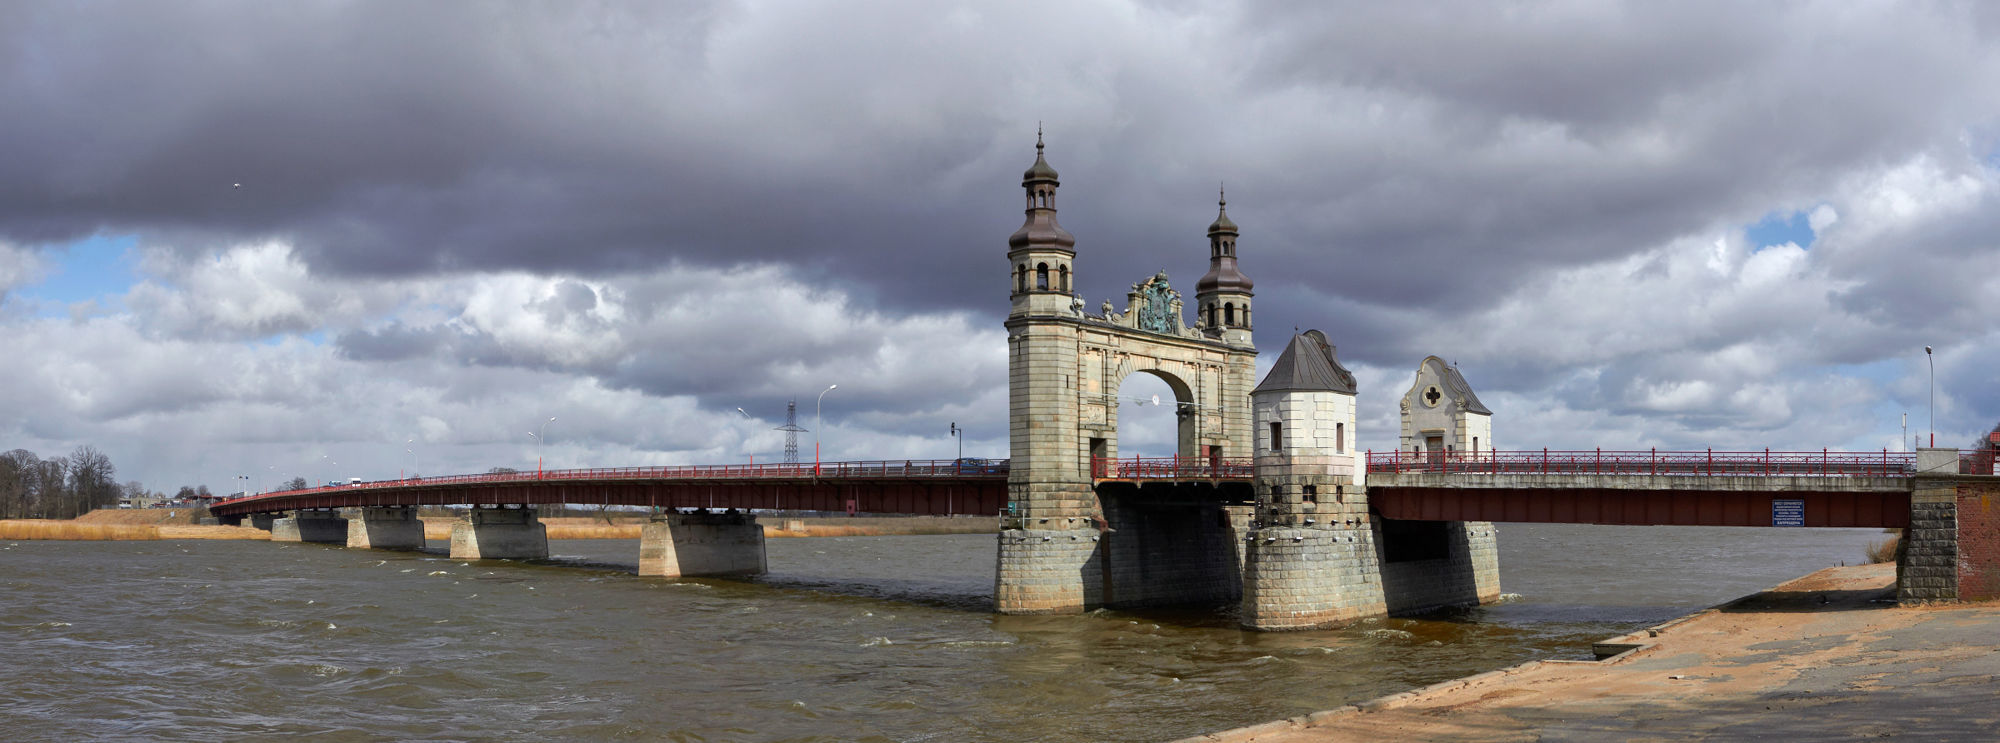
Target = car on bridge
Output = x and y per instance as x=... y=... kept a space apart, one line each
x=979 y=466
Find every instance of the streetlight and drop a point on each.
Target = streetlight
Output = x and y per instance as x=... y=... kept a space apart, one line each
x=816 y=422
x=412 y=451
x=1933 y=362
x=323 y=460
x=260 y=478
x=543 y=439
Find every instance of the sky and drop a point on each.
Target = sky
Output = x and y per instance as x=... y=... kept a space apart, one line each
x=360 y=239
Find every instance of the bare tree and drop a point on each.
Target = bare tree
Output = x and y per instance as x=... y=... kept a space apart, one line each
x=92 y=481
x=297 y=483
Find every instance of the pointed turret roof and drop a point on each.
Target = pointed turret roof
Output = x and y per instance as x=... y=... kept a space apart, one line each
x=1222 y=225
x=1040 y=171
x=1308 y=365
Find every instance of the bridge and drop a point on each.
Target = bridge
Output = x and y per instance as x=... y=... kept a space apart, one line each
x=914 y=487
x=1266 y=503
x=704 y=524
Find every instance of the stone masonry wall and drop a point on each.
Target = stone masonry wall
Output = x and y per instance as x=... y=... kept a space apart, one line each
x=1927 y=561
x=1167 y=553
x=1469 y=576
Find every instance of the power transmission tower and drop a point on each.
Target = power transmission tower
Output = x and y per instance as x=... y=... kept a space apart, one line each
x=791 y=429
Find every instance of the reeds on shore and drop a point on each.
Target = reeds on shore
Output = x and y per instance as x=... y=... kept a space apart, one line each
x=1885 y=550
x=97 y=532
x=74 y=531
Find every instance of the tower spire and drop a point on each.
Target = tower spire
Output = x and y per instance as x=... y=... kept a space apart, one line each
x=1223 y=294
x=1041 y=251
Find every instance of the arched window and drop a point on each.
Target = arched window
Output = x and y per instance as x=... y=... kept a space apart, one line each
x=1229 y=314
x=1211 y=315
x=1064 y=272
x=1021 y=278
x=1042 y=277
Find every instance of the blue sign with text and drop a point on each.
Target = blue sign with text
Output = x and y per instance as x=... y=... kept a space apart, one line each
x=1788 y=512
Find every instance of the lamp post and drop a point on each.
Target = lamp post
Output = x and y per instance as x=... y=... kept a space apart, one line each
x=1932 y=359
x=269 y=468
x=816 y=426
x=543 y=438
x=412 y=451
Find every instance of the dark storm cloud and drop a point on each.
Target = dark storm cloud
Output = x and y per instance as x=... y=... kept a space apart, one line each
x=398 y=139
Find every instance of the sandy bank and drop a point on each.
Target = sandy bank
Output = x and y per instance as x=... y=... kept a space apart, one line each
x=1823 y=657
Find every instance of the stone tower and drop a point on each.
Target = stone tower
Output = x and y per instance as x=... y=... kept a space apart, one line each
x=1041 y=251
x=1077 y=534
x=1441 y=416
x=1311 y=560
x=1222 y=296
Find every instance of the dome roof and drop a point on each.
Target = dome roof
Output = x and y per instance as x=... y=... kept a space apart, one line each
x=1223 y=276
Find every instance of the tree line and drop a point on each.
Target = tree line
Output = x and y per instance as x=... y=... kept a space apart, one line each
x=58 y=487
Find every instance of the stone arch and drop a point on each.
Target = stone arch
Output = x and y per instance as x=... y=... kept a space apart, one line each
x=1183 y=406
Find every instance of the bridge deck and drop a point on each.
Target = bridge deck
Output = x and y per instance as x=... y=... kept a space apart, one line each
x=929 y=487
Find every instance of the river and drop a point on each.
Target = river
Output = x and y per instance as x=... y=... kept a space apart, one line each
x=847 y=639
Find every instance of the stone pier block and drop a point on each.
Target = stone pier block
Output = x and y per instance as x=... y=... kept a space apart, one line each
x=261 y=520
x=1309 y=578
x=680 y=545
x=324 y=527
x=389 y=528
x=500 y=534
x=1049 y=571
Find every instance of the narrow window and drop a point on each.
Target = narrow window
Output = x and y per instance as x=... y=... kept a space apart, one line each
x=1021 y=278
x=1229 y=314
x=1309 y=494
x=1211 y=315
x=1042 y=277
x=1277 y=436
x=1475 y=444
x=1339 y=438
x=1064 y=271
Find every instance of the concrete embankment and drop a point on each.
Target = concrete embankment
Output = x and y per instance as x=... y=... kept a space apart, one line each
x=1824 y=657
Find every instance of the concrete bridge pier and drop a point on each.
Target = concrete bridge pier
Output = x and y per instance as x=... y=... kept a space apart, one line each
x=500 y=534
x=677 y=545
x=323 y=527
x=386 y=528
x=229 y=520
x=262 y=520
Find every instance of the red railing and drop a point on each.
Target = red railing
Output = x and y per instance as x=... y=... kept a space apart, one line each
x=892 y=469
x=1823 y=463
x=1172 y=468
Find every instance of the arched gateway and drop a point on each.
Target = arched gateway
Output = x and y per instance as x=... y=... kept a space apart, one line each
x=1067 y=544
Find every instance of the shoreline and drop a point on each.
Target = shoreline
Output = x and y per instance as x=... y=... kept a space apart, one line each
x=1825 y=655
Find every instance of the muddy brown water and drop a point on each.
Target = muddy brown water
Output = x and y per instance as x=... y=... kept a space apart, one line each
x=848 y=639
